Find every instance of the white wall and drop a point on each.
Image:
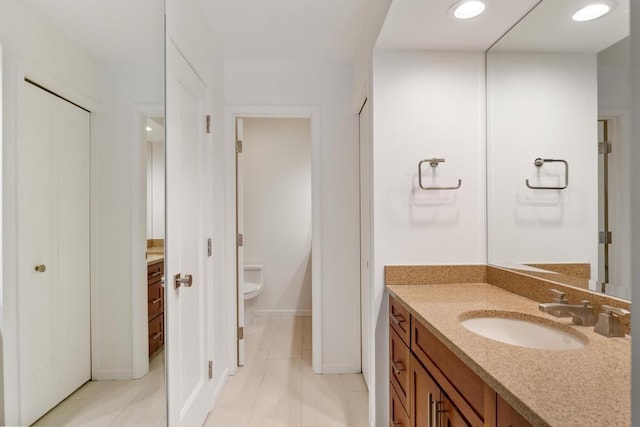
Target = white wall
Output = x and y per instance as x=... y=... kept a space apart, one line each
x=155 y=190
x=542 y=105
x=614 y=74
x=426 y=104
x=329 y=88
x=277 y=212
x=32 y=47
x=119 y=252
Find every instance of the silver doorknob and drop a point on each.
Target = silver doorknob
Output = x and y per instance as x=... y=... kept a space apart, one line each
x=187 y=280
x=40 y=268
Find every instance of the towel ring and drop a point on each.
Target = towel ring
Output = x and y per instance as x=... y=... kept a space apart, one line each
x=434 y=163
x=539 y=162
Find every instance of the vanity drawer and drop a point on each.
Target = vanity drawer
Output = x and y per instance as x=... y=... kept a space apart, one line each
x=156 y=334
x=399 y=319
x=155 y=272
x=155 y=302
x=399 y=357
x=398 y=417
x=465 y=389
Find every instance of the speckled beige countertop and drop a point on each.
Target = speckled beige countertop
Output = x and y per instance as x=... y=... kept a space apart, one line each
x=154 y=258
x=585 y=387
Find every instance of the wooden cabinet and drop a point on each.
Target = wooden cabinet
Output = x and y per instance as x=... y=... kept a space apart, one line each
x=397 y=412
x=508 y=417
x=155 y=301
x=429 y=386
x=432 y=407
x=399 y=357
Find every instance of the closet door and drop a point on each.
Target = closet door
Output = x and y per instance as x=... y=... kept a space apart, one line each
x=53 y=250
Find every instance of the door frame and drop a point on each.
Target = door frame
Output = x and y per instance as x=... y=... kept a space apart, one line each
x=311 y=112
x=9 y=301
x=139 y=306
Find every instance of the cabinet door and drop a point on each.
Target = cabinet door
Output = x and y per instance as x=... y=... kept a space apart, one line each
x=508 y=417
x=449 y=415
x=397 y=414
x=424 y=395
x=399 y=357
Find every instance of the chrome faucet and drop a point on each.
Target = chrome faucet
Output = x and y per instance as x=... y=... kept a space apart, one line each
x=583 y=314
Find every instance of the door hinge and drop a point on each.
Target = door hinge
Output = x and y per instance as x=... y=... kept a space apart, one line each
x=240 y=240
x=604 y=237
x=604 y=148
x=210 y=369
x=209 y=130
x=209 y=247
x=241 y=333
x=238 y=146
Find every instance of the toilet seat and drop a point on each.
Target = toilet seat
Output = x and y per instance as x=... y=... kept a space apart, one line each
x=252 y=285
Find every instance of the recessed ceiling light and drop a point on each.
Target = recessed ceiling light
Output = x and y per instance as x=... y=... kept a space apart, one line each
x=593 y=11
x=149 y=128
x=466 y=9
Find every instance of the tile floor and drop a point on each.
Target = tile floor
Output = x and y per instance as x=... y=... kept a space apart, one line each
x=139 y=403
x=277 y=387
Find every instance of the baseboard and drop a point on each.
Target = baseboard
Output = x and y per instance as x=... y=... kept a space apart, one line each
x=217 y=390
x=106 y=375
x=282 y=313
x=341 y=368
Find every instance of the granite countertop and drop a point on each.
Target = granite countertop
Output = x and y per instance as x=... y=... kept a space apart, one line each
x=154 y=258
x=590 y=386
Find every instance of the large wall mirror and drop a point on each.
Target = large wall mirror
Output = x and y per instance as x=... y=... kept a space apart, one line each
x=83 y=107
x=558 y=147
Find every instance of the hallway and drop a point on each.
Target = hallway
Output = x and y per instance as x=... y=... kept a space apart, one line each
x=115 y=403
x=277 y=387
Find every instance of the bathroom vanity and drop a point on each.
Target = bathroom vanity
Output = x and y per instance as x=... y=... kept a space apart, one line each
x=442 y=374
x=155 y=293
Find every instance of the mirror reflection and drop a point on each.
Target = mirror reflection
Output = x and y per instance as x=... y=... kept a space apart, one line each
x=558 y=142
x=83 y=135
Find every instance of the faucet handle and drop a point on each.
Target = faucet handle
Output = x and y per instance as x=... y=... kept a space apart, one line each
x=620 y=312
x=561 y=297
x=609 y=323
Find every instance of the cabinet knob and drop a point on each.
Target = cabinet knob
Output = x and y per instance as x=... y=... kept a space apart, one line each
x=41 y=268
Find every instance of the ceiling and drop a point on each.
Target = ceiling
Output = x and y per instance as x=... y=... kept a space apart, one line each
x=108 y=29
x=428 y=25
x=320 y=30
x=549 y=28
x=325 y=30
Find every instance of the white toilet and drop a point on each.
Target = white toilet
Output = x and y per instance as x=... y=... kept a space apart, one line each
x=252 y=280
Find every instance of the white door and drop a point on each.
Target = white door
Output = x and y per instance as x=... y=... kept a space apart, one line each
x=365 y=238
x=188 y=383
x=239 y=241
x=53 y=250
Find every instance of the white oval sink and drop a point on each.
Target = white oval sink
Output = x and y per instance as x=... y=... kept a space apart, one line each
x=525 y=333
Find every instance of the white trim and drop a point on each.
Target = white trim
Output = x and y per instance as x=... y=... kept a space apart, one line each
x=217 y=389
x=342 y=368
x=311 y=112
x=283 y=313
x=42 y=78
x=112 y=374
x=139 y=306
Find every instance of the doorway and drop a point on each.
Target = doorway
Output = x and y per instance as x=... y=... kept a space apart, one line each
x=274 y=223
x=311 y=115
